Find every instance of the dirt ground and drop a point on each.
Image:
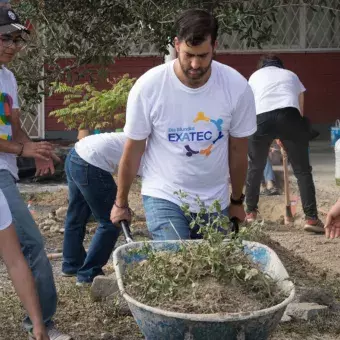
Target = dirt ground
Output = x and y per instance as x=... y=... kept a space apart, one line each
x=312 y=261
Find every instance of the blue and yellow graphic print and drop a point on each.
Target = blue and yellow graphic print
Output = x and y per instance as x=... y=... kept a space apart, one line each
x=193 y=135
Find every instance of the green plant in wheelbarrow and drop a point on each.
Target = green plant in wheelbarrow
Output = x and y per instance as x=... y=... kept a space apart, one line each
x=214 y=288
x=86 y=108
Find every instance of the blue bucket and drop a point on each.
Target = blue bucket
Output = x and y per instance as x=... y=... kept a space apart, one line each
x=335 y=132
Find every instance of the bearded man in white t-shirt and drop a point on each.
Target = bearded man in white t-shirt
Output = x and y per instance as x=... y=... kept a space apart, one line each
x=279 y=98
x=191 y=119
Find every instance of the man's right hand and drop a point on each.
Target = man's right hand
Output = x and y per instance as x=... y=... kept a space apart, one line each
x=39 y=150
x=120 y=214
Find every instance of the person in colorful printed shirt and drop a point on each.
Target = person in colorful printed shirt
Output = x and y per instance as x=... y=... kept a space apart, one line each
x=14 y=142
x=191 y=119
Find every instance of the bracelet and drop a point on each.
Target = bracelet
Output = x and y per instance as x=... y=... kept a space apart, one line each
x=21 y=150
x=125 y=207
x=238 y=201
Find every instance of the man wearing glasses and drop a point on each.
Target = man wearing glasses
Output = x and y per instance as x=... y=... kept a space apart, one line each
x=14 y=142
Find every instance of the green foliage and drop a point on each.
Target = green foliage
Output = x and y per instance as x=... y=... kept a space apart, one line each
x=96 y=32
x=88 y=108
x=165 y=278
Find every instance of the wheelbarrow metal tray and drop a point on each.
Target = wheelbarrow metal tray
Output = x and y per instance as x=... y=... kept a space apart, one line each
x=159 y=324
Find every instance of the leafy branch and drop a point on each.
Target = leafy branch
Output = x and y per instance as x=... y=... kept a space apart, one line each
x=91 y=32
x=88 y=108
x=180 y=281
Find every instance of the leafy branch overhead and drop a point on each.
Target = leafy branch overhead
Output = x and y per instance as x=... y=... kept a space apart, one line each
x=88 y=108
x=96 y=32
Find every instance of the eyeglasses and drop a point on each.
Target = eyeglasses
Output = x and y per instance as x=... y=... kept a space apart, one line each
x=8 y=41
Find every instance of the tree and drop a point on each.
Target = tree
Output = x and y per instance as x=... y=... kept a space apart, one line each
x=97 y=31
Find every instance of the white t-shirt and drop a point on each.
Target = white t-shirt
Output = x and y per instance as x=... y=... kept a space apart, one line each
x=5 y=214
x=103 y=150
x=187 y=131
x=9 y=86
x=275 y=88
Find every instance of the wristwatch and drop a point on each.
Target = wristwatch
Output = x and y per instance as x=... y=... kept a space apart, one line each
x=238 y=201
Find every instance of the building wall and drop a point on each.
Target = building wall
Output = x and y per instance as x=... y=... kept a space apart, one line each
x=319 y=72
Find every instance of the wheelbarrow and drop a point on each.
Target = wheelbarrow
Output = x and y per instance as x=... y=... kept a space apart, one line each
x=159 y=324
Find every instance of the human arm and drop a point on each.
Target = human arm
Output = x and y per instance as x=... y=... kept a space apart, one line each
x=243 y=125
x=18 y=270
x=41 y=150
x=300 y=89
x=332 y=225
x=19 y=135
x=22 y=279
x=301 y=102
x=44 y=164
x=137 y=129
x=238 y=165
x=127 y=172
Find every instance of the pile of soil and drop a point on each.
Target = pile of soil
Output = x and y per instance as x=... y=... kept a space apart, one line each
x=184 y=282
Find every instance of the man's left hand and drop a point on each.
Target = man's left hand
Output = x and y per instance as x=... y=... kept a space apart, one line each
x=44 y=167
x=237 y=211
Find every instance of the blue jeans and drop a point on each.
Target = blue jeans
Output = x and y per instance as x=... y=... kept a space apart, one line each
x=160 y=212
x=91 y=191
x=32 y=247
x=268 y=172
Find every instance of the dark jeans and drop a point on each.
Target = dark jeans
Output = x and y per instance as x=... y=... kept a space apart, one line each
x=91 y=190
x=288 y=126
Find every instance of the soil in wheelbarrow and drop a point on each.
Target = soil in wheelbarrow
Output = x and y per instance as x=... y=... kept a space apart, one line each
x=201 y=279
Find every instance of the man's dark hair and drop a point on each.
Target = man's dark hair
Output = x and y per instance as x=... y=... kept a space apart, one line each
x=194 y=26
x=270 y=60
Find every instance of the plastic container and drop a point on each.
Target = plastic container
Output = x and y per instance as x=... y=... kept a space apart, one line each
x=335 y=132
x=159 y=324
x=31 y=208
x=337 y=162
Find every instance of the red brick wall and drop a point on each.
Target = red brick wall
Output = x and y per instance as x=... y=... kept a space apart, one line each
x=134 y=66
x=319 y=72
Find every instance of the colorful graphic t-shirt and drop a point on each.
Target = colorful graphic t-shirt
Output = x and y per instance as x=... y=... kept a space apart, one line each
x=188 y=131
x=8 y=85
x=6 y=103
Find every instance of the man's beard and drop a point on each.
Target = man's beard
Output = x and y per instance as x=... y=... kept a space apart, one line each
x=196 y=77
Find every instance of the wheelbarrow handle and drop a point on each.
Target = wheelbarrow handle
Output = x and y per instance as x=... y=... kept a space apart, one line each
x=126 y=231
x=234 y=225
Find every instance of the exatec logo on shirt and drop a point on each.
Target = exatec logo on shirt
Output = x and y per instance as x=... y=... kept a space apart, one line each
x=196 y=135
